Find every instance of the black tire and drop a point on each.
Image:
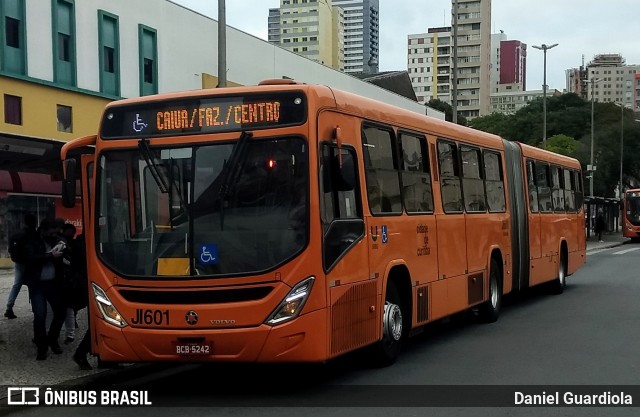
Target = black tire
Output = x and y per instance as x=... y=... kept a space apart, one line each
x=561 y=280
x=387 y=350
x=490 y=310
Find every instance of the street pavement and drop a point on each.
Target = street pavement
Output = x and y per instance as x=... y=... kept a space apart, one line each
x=17 y=352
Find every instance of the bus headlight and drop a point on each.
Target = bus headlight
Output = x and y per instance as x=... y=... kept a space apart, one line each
x=292 y=304
x=108 y=311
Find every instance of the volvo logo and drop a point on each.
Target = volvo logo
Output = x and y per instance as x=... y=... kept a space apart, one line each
x=222 y=322
x=191 y=317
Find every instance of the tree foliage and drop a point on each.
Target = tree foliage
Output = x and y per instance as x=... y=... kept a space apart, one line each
x=447 y=110
x=569 y=133
x=563 y=145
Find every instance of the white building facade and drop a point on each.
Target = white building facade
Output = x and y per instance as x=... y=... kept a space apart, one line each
x=509 y=102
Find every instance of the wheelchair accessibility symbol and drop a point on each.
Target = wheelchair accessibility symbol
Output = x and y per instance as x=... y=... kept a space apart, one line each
x=138 y=124
x=208 y=254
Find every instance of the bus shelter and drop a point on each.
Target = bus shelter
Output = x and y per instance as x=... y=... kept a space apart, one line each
x=610 y=208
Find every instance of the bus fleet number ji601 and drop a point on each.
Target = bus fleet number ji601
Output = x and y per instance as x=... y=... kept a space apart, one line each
x=157 y=317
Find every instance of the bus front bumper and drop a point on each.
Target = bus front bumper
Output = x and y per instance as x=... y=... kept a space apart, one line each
x=303 y=339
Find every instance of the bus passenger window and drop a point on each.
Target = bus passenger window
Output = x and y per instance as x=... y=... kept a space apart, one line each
x=579 y=193
x=383 y=184
x=472 y=183
x=531 y=185
x=569 y=187
x=557 y=193
x=544 y=190
x=494 y=182
x=449 y=177
x=416 y=178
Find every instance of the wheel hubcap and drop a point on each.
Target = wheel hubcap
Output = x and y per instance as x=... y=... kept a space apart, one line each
x=494 y=292
x=392 y=323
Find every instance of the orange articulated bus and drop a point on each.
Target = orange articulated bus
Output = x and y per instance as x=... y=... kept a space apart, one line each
x=287 y=222
x=631 y=215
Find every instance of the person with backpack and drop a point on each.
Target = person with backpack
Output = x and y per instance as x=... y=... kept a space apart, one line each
x=17 y=250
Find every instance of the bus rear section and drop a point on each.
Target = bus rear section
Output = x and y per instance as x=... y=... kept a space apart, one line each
x=556 y=241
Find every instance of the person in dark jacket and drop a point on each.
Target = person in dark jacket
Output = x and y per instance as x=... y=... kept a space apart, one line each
x=43 y=251
x=600 y=226
x=78 y=267
x=28 y=232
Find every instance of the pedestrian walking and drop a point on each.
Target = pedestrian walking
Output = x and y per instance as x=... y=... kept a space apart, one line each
x=600 y=226
x=17 y=250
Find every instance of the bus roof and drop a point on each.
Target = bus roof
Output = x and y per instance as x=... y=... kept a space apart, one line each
x=326 y=97
x=529 y=151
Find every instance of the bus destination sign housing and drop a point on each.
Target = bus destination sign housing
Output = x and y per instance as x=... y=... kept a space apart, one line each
x=204 y=115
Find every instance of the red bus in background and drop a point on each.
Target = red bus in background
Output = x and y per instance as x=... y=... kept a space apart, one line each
x=631 y=215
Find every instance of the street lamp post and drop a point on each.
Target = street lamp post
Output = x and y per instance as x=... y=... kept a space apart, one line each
x=454 y=95
x=544 y=48
x=592 y=168
x=620 y=191
x=222 y=44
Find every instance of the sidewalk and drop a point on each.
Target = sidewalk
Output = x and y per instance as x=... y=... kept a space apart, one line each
x=610 y=240
x=17 y=353
x=18 y=365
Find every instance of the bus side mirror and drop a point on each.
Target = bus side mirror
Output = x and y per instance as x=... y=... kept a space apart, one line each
x=344 y=173
x=69 y=183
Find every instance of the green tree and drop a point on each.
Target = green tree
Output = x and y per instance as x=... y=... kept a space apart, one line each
x=569 y=133
x=563 y=144
x=446 y=108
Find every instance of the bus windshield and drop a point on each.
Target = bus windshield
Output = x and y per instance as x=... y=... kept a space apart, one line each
x=218 y=209
x=633 y=210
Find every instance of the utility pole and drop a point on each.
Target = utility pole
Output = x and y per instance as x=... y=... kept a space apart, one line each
x=454 y=55
x=620 y=190
x=592 y=167
x=222 y=44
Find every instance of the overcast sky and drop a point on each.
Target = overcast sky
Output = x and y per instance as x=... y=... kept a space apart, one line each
x=580 y=27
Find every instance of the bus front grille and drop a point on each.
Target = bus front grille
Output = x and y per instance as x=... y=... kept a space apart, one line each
x=196 y=296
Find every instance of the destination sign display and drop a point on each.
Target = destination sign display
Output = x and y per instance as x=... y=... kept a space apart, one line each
x=204 y=115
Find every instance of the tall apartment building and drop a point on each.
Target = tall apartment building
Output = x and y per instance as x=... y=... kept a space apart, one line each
x=473 y=56
x=508 y=64
x=429 y=64
x=311 y=28
x=494 y=77
x=430 y=59
x=361 y=35
x=576 y=81
x=613 y=80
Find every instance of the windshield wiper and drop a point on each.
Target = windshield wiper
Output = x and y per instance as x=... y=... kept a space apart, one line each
x=231 y=170
x=233 y=166
x=154 y=166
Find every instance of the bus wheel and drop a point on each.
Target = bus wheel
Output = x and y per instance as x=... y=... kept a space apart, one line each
x=490 y=310
x=388 y=349
x=561 y=281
